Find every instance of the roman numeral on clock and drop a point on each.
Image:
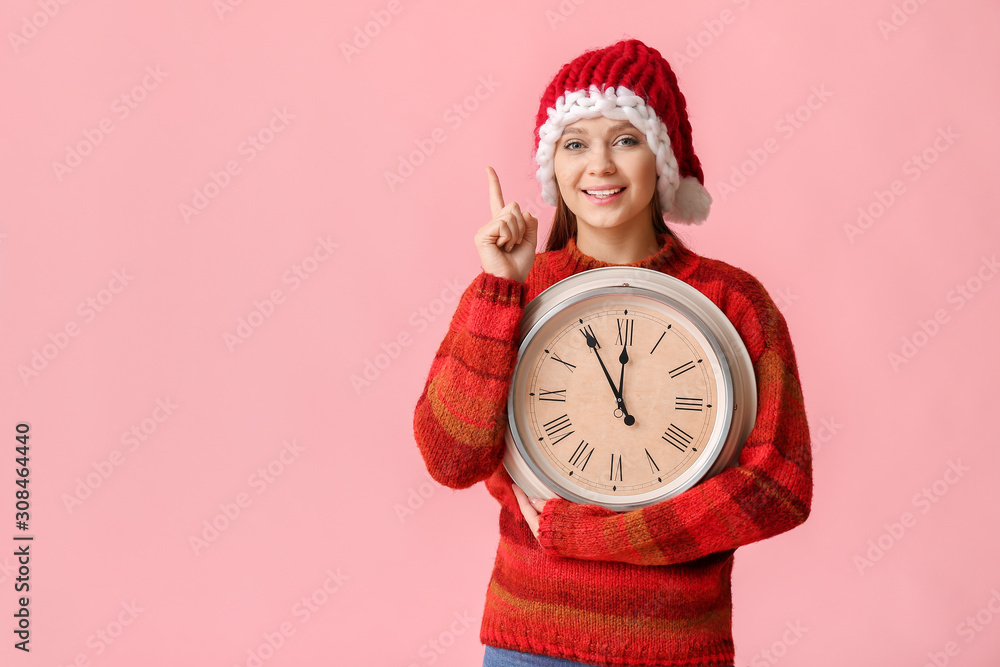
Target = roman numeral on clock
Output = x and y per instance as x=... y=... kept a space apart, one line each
x=616 y=467
x=652 y=463
x=581 y=455
x=688 y=403
x=556 y=427
x=557 y=395
x=626 y=328
x=658 y=341
x=677 y=437
x=683 y=368
x=555 y=357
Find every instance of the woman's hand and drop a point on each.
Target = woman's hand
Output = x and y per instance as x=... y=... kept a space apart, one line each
x=506 y=244
x=530 y=508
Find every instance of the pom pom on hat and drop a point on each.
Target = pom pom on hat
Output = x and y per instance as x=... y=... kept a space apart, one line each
x=626 y=81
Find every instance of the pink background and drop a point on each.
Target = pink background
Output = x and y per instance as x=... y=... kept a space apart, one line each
x=153 y=103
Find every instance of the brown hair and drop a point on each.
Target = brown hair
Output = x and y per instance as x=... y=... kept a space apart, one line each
x=564 y=223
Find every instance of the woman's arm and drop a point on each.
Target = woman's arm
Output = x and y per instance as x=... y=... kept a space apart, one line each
x=461 y=415
x=769 y=492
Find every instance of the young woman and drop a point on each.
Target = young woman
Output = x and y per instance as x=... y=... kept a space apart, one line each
x=577 y=584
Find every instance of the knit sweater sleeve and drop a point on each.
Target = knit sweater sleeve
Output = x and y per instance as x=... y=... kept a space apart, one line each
x=461 y=415
x=767 y=493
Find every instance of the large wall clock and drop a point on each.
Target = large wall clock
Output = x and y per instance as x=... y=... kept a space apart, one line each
x=630 y=387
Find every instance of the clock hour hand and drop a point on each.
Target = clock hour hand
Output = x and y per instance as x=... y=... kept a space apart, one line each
x=592 y=342
x=623 y=359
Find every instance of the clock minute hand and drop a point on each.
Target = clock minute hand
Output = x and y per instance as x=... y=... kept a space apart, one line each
x=592 y=342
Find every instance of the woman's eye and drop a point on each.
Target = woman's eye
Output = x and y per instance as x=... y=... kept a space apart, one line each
x=575 y=144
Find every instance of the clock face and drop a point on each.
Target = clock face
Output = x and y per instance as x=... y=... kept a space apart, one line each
x=621 y=397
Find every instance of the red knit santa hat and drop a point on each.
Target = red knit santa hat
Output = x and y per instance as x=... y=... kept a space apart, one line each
x=626 y=81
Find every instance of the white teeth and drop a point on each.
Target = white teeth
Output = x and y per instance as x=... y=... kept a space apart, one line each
x=603 y=193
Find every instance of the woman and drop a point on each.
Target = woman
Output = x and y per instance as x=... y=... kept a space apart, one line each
x=577 y=584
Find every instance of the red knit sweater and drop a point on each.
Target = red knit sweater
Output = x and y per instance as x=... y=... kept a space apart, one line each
x=646 y=587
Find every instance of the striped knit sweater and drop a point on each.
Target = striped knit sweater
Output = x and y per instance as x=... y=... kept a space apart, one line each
x=646 y=587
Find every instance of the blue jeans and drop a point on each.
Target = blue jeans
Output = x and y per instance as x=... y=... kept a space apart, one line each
x=501 y=657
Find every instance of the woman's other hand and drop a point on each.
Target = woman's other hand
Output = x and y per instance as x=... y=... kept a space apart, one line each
x=530 y=508
x=506 y=244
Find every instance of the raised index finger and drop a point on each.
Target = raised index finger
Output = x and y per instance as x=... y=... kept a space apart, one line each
x=496 y=196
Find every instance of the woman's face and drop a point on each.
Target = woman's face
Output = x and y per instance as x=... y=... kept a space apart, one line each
x=603 y=154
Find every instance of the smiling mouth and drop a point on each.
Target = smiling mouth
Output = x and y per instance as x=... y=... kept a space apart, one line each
x=601 y=194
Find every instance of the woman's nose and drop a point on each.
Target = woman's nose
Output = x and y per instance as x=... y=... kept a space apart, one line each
x=600 y=161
